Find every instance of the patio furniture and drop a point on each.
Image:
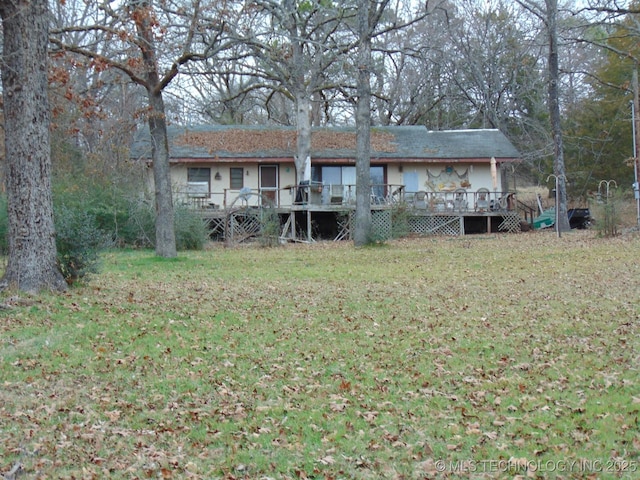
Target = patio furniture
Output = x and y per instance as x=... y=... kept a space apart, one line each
x=438 y=202
x=336 y=194
x=482 y=200
x=460 y=202
x=420 y=199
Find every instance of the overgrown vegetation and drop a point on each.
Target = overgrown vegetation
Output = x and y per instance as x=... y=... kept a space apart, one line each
x=270 y=228
x=95 y=212
x=400 y=220
x=139 y=228
x=607 y=212
x=474 y=357
x=79 y=242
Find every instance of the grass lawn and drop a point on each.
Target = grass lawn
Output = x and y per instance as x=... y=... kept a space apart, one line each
x=490 y=356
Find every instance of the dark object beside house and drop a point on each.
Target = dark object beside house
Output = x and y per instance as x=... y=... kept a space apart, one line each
x=302 y=192
x=579 y=218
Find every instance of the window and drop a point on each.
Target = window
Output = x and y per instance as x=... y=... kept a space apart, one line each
x=198 y=175
x=346 y=175
x=236 y=176
x=198 y=181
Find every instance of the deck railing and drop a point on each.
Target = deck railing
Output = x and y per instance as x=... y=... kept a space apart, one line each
x=382 y=195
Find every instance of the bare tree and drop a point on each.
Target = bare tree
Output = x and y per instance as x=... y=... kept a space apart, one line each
x=497 y=63
x=32 y=265
x=369 y=14
x=284 y=55
x=413 y=67
x=153 y=41
x=548 y=14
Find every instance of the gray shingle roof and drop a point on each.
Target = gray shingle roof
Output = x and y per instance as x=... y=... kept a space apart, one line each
x=398 y=142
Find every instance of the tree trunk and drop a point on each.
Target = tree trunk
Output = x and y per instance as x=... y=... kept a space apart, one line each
x=32 y=264
x=303 y=127
x=165 y=225
x=299 y=89
x=554 y=114
x=362 y=230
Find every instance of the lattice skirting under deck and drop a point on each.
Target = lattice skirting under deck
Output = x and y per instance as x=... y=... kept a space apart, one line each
x=510 y=223
x=216 y=227
x=242 y=225
x=437 y=225
x=381 y=224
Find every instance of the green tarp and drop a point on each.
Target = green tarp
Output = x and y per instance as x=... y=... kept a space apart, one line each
x=545 y=219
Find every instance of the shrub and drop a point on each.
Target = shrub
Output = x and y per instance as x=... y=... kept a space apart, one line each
x=400 y=220
x=270 y=228
x=91 y=215
x=191 y=230
x=138 y=227
x=79 y=242
x=607 y=214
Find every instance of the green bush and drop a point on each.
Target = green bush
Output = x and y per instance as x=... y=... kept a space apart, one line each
x=191 y=230
x=400 y=220
x=607 y=214
x=91 y=216
x=139 y=229
x=270 y=228
x=82 y=231
x=79 y=242
x=138 y=226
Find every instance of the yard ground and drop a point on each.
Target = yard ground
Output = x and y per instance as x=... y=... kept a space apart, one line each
x=486 y=356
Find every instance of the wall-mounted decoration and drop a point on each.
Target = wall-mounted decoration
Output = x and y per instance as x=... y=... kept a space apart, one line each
x=447 y=180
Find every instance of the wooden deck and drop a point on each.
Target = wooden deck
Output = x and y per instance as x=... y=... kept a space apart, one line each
x=311 y=222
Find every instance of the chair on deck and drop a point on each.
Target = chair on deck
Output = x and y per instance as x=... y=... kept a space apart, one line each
x=482 y=200
x=375 y=198
x=437 y=202
x=420 y=200
x=396 y=196
x=460 y=203
x=336 y=194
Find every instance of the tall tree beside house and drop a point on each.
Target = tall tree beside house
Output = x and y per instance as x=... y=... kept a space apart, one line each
x=299 y=87
x=548 y=14
x=284 y=49
x=555 y=117
x=369 y=25
x=31 y=265
x=143 y=16
x=369 y=13
x=151 y=42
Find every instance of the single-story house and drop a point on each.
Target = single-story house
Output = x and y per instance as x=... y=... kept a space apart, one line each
x=217 y=166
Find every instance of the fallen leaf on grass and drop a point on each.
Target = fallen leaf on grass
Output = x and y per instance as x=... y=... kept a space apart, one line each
x=328 y=460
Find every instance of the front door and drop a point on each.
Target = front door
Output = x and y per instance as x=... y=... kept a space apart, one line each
x=269 y=183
